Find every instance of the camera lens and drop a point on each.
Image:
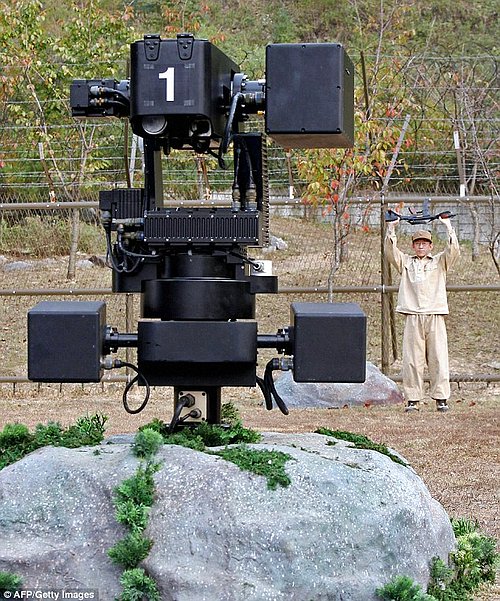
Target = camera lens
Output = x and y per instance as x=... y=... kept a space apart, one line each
x=154 y=125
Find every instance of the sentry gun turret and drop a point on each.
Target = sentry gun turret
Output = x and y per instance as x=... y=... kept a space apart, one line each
x=191 y=266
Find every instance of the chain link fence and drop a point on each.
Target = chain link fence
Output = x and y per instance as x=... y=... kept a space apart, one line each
x=52 y=246
x=36 y=264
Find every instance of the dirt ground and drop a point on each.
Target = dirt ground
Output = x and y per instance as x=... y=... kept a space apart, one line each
x=456 y=454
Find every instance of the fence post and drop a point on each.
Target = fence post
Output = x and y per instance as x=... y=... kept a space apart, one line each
x=75 y=233
x=384 y=304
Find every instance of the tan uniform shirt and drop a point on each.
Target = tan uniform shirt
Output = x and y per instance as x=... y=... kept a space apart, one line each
x=422 y=289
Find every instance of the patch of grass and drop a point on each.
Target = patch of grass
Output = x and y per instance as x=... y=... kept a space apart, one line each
x=206 y=435
x=402 y=588
x=9 y=582
x=270 y=464
x=16 y=440
x=360 y=442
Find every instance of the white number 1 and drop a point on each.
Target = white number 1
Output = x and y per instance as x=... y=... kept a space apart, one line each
x=168 y=75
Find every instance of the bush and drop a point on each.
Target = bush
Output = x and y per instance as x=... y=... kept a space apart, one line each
x=131 y=550
x=138 y=586
x=403 y=588
x=16 y=440
x=9 y=582
x=473 y=563
x=147 y=443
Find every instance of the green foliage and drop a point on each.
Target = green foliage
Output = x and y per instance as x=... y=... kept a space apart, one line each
x=270 y=464
x=473 y=563
x=443 y=584
x=402 y=588
x=207 y=435
x=139 y=489
x=16 y=440
x=132 y=515
x=133 y=499
x=265 y=463
x=39 y=59
x=138 y=586
x=147 y=443
x=463 y=527
x=88 y=430
x=9 y=582
x=131 y=550
x=187 y=439
x=360 y=442
x=229 y=414
x=475 y=559
x=215 y=436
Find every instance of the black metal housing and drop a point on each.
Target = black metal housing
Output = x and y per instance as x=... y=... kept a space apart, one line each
x=309 y=95
x=201 y=227
x=328 y=342
x=197 y=299
x=187 y=353
x=65 y=341
x=186 y=80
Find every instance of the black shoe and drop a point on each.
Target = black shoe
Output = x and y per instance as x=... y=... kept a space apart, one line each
x=442 y=405
x=412 y=406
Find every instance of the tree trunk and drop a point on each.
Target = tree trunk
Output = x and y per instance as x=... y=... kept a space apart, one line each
x=75 y=234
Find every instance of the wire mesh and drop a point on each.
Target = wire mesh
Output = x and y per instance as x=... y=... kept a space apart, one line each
x=312 y=247
x=35 y=243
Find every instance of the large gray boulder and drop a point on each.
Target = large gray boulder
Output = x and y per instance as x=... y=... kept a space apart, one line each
x=377 y=389
x=350 y=520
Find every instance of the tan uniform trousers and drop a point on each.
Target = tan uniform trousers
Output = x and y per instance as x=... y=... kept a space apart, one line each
x=425 y=343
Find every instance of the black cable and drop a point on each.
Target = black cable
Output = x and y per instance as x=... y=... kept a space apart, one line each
x=129 y=385
x=226 y=140
x=268 y=388
x=251 y=181
x=121 y=267
x=267 y=395
x=181 y=403
x=269 y=382
x=248 y=260
x=130 y=253
x=195 y=413
x=105 y=91
x=110 y=255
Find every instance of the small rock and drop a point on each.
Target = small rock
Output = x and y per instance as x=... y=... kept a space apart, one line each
x=377 y=389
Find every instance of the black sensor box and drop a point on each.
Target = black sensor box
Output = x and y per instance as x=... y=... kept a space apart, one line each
x=329 y=342
x=309 y=95
x=180 y=78
x=65 y=341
